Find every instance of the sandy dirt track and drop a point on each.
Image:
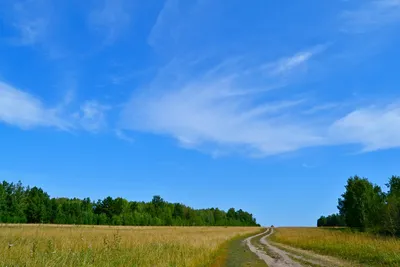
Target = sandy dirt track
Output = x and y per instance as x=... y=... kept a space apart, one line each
x=277 y=255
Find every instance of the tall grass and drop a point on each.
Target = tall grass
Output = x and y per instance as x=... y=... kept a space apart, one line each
x=48 y=245
x=364 y=248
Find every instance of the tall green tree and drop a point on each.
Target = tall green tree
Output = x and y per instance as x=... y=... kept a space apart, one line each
x=322 y=221
x=38 y=206
x=391 y=214
x=361 y=204
x=3 y=203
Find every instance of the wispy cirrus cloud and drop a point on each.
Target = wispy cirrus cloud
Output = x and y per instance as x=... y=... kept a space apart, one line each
x=285 y=65
x=27 y=111
x=31 y=22
x=35 y=24
x=123 y=136
x=210 y=122
x=45 y=24
x=169 y=15
x=288 y=64
x=371 y=15
x=205 y=97
x=219 y=111
x=92 y=116
x=375 y=127
x=208 y=115
x=231 y=108
x=110 y=18
x=220 y=103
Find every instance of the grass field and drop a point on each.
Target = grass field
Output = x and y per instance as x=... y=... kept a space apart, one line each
x=366 y=249
x=49 y=245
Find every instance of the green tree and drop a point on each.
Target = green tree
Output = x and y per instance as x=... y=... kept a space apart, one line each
x=391 y=214
x=231 y=214
x=394 y=186
x=3 y=203
x=361 y=204
x=38 y=204
x=322 y=221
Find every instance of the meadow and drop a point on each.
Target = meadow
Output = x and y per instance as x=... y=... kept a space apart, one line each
x=66 y=245
x=363 y=248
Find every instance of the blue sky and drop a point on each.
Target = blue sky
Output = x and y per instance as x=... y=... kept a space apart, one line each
x=268 y=106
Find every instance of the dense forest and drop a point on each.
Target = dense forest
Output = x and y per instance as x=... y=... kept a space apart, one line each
x=366 y=207
x=19 y=204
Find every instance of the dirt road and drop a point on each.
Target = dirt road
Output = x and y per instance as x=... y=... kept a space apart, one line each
x=277 y=255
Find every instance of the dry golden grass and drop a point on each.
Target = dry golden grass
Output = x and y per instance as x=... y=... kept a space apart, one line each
x=49 y=245
x=367 y=249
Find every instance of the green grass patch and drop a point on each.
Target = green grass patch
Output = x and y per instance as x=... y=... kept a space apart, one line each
x=235 y=253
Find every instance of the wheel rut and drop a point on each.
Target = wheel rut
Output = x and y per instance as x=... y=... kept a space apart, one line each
x=277 y=255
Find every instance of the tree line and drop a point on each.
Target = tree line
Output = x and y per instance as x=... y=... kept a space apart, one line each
x=366 y=207
x=19 y=204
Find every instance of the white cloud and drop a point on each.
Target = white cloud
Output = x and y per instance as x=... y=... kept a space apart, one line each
x=373 y=127
x=371 y=16
x=231 y=108
x=31 y=22
x=26 y=111
x=307 y=166
x=92 y=116
x=198 y=116
x=287 y=64
x=322 y=108
x=35 y=22
x=111 y=18
x=123 y=136
x=219 y=111
x=168 y=14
